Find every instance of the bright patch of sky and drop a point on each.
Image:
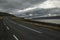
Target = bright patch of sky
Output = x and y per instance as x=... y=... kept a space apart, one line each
x=50 y=4
x=45 y=5
x=27 y=9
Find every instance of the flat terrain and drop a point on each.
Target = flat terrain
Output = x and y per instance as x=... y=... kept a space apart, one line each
x=19 y=20
x=30 y=31
x=13 y=28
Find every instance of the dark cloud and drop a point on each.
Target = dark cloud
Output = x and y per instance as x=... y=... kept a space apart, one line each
x=19 y=4
x=12 y=5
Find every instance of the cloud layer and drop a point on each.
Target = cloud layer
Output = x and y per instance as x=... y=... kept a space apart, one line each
x=17 y=5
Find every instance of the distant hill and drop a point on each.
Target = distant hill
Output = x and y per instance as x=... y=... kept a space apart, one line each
x=52 y=17
x=5 y=14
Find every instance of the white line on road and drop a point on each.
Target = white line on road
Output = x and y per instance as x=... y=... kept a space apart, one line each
x=15 y=37
x=30 y=28
x=26 y=27
x=7 y=27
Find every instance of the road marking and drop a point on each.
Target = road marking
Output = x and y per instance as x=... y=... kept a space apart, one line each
x=8 y=28
x=15 y=37
x=30 y=28
x=26 y=27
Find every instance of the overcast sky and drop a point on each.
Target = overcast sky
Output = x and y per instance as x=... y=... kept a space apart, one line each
x=19 y=4
x=26 y=5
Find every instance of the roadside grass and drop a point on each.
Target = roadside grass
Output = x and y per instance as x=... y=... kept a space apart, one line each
x=1 y=17
x=40 y=24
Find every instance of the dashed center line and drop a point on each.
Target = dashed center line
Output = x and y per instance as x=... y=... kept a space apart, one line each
x=15 y=37
x=25 y=27
x=7 y=27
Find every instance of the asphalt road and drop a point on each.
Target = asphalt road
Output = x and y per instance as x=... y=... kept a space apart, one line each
x=24 y=31
x=3 y=31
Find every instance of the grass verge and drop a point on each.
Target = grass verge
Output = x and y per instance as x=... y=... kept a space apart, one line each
x=41 y=24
